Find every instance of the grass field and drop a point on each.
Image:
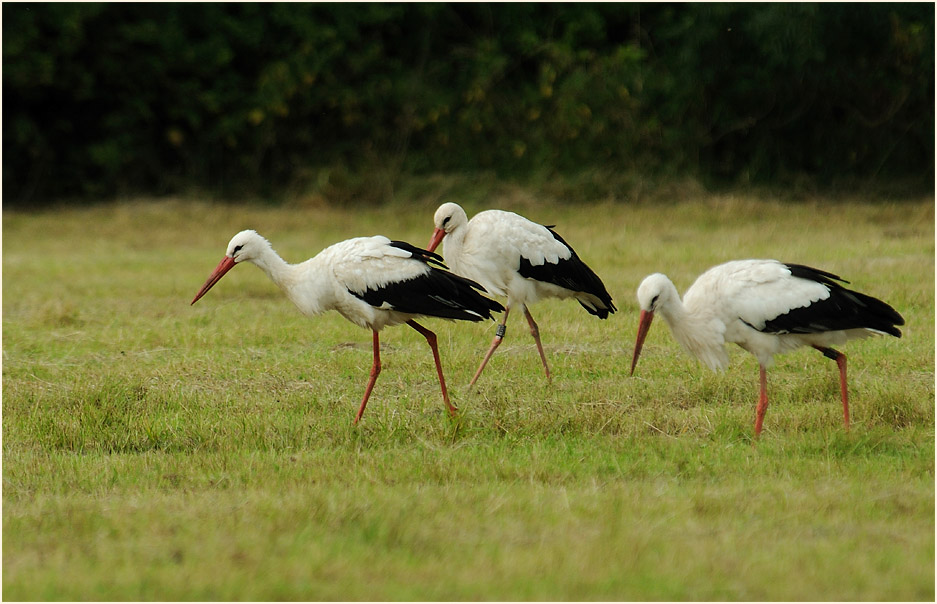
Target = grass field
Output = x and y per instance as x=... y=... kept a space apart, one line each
x=154 y=450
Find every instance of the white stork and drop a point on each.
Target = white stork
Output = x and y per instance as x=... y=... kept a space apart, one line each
x=766 y=307
x=371 y=281
x=519 y=259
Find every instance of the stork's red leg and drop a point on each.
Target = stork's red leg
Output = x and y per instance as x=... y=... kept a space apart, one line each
x=841 y=363
x=499 y=335
x=375 y=371
x=431 y=340
x=762 y=399
x=840 y=359
x=535 y=332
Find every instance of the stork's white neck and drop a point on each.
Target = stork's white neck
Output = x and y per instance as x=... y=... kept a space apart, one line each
x=303 y=283
x=297 y=281
x=699 y=334
x=452 y=247
x=278 y=269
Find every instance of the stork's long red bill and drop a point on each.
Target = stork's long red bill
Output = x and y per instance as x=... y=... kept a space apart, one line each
x=643 y=327
x=223 y=267
x=438 y=234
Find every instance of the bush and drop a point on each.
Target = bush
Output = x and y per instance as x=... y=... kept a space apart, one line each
x=237 y=99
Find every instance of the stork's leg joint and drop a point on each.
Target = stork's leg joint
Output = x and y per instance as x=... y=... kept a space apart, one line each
x=840 y=359
x=495 y=342
x=431 y=340
x=430 y=337
x=534 y=328
x=535 y=332
x=375 y=371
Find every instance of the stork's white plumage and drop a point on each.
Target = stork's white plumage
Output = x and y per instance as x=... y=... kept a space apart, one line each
x=514 y=257
x=371 y=281
x=766 y=307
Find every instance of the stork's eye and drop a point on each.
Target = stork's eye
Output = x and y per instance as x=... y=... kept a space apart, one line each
x=654 y=301
x=237 y=249
x=446 y=221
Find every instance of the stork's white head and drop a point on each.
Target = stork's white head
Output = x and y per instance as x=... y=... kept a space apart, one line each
x=246 y=245
x=449 y=216
x=655 y=292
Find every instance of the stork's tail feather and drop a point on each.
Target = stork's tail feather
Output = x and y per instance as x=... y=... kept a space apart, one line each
x=875 y=314
x=600 y=310
x=466 y=297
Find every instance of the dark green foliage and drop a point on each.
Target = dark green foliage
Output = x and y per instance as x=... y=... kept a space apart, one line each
x=237 y=99
x=831 y=89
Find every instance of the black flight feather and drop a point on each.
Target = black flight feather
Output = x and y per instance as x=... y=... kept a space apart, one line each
x=437 y=293
x=572 y=274
x=843 y=309
x=418 y=253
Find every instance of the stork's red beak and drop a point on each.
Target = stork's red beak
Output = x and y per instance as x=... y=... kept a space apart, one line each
x=646 y=317
x=438 y=234
x=223 y=267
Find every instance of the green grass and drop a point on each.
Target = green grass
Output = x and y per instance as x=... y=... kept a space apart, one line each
x=157 y=451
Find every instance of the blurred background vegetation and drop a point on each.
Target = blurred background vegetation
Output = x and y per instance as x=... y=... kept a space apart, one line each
x=272 y=100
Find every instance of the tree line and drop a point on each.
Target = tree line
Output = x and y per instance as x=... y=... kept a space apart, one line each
x=105 y=99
